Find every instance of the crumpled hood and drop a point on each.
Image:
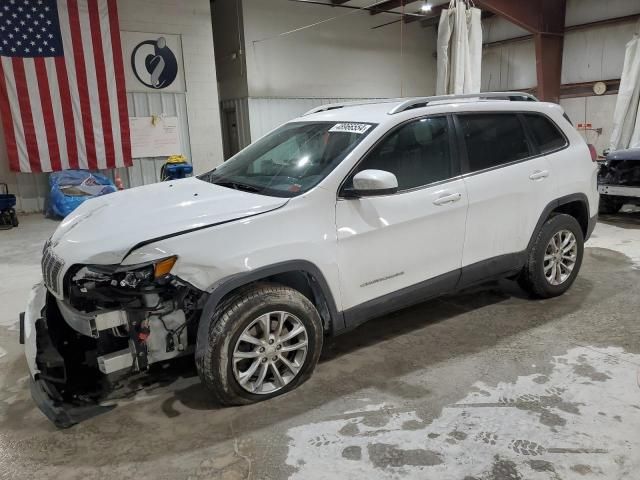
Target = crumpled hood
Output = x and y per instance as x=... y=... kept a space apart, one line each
x=103 y=230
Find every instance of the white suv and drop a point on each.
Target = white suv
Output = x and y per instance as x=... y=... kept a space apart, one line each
x=346 y=213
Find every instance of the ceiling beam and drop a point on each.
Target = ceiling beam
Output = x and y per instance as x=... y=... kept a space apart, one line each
x=390 y=5
x=433 y=18
x=535 y=16
x=330 y=3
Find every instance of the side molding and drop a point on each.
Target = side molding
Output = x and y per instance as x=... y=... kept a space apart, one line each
x=221 y=288
x=406 y=297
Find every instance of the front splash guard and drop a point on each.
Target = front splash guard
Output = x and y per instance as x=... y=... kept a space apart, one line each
x=43 y=358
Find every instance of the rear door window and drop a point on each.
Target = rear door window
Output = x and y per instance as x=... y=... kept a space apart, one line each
x=493 y=139
x=546 y=135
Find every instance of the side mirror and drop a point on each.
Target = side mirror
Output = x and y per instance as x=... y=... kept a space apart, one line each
x=374 y=182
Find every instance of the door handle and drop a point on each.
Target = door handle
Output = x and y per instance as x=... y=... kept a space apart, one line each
x=445 y=199
x=539 y=174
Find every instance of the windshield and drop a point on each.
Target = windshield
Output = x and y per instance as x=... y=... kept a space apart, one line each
x=290 y=160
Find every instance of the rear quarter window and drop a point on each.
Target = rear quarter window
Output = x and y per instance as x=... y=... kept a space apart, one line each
x=546 y=134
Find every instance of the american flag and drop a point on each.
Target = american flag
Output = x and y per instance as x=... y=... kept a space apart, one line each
x=62 y=91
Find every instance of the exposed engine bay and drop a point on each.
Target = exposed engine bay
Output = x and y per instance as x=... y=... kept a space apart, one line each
x=619 y=180
x=113 y=321
x=620 y=172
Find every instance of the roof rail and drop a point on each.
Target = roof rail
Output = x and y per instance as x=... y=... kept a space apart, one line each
x=424 y=101
x=333 y=106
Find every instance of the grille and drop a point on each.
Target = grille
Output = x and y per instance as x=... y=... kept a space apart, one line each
x=51 y=268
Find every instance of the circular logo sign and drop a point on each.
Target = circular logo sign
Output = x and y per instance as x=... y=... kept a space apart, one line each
x=154 y=64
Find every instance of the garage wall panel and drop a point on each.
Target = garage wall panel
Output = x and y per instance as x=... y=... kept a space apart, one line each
x=343 y=57
x=590 y=54
x=192 y=21
x=509 y=66
x=595 y=110
x=241 y=108
x=143 y=104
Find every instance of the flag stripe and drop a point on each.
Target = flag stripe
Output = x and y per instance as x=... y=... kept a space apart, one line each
x=7 y=121
x=112 y=92
x=92 y=82
x=27 y=117
x=68 y=71
x=21 y=156
x=67 y=113
x=48 y=123
x=116 y=48
x=39 y=130
x=101 y=79
x=58 y=113
x=83 y=87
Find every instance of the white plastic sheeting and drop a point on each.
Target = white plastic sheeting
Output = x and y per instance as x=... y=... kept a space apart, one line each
x=459 y=49
x=626 y=117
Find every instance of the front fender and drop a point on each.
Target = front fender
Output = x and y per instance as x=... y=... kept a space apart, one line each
x=223 y=287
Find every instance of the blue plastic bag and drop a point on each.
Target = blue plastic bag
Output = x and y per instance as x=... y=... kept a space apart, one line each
x=69 y=188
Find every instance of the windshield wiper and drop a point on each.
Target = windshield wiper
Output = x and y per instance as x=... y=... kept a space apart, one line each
x=239 y=186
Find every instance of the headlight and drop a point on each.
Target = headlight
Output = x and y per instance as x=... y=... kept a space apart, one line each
x=132 y=276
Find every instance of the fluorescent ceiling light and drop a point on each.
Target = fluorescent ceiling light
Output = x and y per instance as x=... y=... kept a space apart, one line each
x=426 y=7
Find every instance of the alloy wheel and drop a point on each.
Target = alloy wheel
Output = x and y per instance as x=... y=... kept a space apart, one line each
x=270 y=352
x=560 y=257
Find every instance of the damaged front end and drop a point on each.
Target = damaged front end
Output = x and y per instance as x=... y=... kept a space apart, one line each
x=88 y=332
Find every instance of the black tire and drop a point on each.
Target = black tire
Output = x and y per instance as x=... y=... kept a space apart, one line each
x=230 y=319
x=532 y=278
x=610 y=204
x=14 y=219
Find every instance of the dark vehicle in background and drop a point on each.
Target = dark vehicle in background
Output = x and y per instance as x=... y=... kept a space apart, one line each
x=619 y=180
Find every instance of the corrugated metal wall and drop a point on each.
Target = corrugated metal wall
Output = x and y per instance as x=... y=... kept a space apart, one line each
x=597 y=110
x=31 y=189
x=241 y=107
x=142 y=104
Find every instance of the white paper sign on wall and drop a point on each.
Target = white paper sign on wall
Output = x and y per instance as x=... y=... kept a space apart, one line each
x=152 y=62
x=154 y=136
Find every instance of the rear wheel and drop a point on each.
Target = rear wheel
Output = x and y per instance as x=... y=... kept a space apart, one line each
x=263 y=342
x=610 y=204
x=555 y=258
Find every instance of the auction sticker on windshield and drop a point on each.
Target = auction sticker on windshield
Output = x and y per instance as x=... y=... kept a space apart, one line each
x=359 y=128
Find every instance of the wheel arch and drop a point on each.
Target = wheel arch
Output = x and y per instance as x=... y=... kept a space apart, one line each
x=300 y=275
x=576 y=205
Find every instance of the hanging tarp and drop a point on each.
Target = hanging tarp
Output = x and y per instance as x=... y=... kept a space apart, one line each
x=459 y=49
x=626 y=117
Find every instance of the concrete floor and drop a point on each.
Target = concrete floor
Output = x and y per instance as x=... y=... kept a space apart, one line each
x=484 y=385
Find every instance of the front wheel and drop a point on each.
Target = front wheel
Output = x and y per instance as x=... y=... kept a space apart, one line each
x=263 y=342
x=555 y=258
